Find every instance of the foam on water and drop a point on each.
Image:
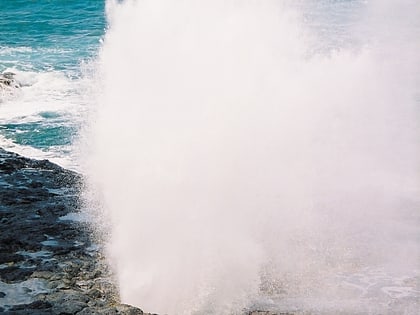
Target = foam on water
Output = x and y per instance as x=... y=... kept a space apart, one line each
x=49 y=45
x=42 y=118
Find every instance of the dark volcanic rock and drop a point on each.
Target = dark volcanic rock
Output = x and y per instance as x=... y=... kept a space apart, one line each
x=10 y=258
x=8 y=85
x=47 y=263
x=14 y=274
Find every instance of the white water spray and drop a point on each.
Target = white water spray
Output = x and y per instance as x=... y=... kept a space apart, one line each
x=235 y=165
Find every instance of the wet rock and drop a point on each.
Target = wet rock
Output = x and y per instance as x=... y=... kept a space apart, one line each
x=103 y=311
x=68 y=307
x=128 y=310
x=27 y=312
x=14 y=274
x=43 y=274
x=52 y=263
x=120 y=309
x=10 y=257
x=8 y=85
x=39 y=305
x=95 y=293
x=36 y=305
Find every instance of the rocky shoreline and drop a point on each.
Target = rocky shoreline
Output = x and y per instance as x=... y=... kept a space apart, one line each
x=49 y=263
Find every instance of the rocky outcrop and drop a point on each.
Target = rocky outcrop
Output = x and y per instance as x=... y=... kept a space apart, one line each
x=7 y=80
x=8 y=85
x=49 y=263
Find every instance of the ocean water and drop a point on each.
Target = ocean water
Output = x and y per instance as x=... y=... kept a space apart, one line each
x=246 y=154
x=49 y=45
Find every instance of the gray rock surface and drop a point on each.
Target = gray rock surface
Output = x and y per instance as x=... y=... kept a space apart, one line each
x=48 y=263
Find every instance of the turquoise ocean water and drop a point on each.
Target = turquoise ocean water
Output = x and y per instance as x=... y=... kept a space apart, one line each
x=49 y=35
x=52 y=46
x=49 y=45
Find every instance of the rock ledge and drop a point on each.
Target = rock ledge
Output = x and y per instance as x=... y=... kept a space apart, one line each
x=49 y=263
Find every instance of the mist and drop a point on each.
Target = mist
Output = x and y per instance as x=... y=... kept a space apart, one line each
x=242 y=159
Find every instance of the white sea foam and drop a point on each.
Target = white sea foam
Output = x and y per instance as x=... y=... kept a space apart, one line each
x=57 y=156
x=45 y=99
x=4 y=50
x=236 y=166
x=43 y=91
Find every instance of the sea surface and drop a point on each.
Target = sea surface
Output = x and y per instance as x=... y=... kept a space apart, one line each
x=50 y=46
x=53 y=48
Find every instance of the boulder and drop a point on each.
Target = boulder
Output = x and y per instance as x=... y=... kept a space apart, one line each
x=8 y=85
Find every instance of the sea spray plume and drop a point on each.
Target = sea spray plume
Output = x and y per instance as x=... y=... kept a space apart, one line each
x=234 y=165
